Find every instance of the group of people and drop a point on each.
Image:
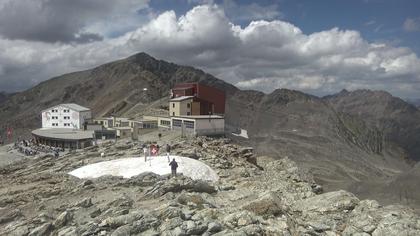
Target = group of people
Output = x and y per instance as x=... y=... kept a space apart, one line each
x=31 y=148
x=153 y=150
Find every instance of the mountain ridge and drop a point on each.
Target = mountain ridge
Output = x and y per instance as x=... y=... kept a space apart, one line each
x=326 y=135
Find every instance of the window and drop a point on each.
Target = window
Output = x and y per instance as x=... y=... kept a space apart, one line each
x=67 y=117
x=177 y=123
x=54 y=124
x=54 y=110
x=173 y=113
x=165 y=122
x=54 y=117
x=188 y=105
x=173 y=105
x=66 y=110
x=67 y=124
x=189 y=124
x=188 y=113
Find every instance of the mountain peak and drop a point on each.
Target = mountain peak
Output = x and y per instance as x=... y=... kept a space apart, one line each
x=142 y=58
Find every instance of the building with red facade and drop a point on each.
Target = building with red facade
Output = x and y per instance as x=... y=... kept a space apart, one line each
x=196 y=99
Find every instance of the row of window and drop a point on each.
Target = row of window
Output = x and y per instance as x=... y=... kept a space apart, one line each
x=189 y=124
x=165 y=122
x=65 y=124
x=56 y=117
x=178 y=123
x=188 y=113
x=188 y=105
x=65 y=110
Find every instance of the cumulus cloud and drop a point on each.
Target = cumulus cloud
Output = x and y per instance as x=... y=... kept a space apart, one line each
x=412 y=24
x=263 y=55
x=61 y=20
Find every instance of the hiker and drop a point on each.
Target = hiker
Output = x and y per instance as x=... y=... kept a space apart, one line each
x=56 y=154
x=173 y=165
x=145 y=151
x=157 y=149
x=168 y=150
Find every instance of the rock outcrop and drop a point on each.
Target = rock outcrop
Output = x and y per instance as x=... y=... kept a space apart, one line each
x=262 y=197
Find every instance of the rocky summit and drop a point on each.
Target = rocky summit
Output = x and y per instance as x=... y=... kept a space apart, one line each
x=255 y=195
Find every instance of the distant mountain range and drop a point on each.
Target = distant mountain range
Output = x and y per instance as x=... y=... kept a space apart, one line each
x=415 y=102
x=4 y=96
x=360 y=141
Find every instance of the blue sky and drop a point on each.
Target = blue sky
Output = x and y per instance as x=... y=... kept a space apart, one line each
x=318 y=47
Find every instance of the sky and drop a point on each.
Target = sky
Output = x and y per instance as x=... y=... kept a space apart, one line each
x=318 y=47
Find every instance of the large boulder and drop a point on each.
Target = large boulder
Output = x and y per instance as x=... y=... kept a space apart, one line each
x=372 y=219
x=63 y=219
x=330 y=202
x=115 y=222
x=179 y=184
x=42 y=230
x=269 y=204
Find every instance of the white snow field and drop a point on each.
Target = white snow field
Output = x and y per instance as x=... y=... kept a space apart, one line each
x=129 y=167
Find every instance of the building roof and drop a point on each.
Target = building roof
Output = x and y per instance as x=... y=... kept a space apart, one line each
x=103 y=118
x=63 y=133
x=200 y=117
x=120 y=128
x=72 y=106
x=181 y=98
x=75 y=107
x=185 y=85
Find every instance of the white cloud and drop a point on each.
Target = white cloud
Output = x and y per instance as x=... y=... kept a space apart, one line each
x=264 y=55
x=412 y=24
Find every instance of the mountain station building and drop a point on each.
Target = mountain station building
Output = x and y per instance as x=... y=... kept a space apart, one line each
x=64 y=126
x=195 y=109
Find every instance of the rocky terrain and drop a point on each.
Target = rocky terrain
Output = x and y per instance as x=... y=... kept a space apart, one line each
x=360 y=141
x=341 y=150
x=256 y=195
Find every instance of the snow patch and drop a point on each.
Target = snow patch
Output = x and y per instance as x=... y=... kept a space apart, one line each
x=129 y=167
x=244 y=133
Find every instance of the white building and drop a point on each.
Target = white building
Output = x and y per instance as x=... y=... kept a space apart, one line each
x=69 y=115
x=199 y=125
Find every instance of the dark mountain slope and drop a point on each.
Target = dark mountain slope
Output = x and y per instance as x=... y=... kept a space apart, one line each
x=397 y=120
x=340 y=150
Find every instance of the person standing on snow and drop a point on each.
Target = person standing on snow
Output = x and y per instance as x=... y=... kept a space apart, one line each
x=174 y=166
x=168 y=150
